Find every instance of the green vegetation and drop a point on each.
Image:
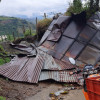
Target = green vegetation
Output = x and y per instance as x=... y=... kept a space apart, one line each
x=3 y=56
x=42 y=27
x=91 y=6
x=2 y=98
x=8 y=25
x=29 y=33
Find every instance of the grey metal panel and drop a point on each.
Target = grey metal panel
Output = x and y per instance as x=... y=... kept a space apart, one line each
x=62 y=20
x=22 y=47
x=44 y=37
x=60 y=76
x=90 y=55
x=72 y=30
x=86 y=34
x=52 y=25
x=96 y=40
x=75 y=50
x=23 y=69
x=55 y=35
x=62 y=46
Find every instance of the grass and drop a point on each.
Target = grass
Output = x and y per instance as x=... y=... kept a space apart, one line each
x=3 y=54
x=2 y=98
x=5 y=60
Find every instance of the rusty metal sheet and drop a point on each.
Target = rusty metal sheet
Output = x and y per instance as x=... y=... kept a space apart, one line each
x=55 y=35
x=60 y=76
x=29 y=50
x=90 y=55
x=65 y=65
x=48 y=44
x=61 y=47
x=62 y=20
x=51 y=63
x=23 y=69
x=44 y=37
x=75 y=49
x=96 y=40
x=86 y=34
x=72 y=30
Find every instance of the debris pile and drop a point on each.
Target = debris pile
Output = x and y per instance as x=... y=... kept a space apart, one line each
x=64 y=38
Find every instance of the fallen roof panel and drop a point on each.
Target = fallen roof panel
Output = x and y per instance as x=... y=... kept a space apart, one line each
x=60 y=76
x=23 y=69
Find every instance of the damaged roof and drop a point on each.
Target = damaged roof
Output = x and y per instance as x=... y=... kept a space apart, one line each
x=65 y=37
x=75 y=41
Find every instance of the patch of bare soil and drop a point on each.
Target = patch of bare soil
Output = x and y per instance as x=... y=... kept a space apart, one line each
x=19 y=91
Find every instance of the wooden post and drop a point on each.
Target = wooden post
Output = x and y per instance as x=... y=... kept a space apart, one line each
x=30 y=30
x=13 y=35
x=36 y=29
x=23 y=29
x=17 y=34
x=45 y=16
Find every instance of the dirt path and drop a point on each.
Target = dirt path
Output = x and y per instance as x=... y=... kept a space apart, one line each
x=44 y=94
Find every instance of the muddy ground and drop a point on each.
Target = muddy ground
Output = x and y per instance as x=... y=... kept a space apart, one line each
x=25 y=91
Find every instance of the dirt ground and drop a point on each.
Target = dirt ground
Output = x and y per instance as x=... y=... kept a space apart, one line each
x=25 y=91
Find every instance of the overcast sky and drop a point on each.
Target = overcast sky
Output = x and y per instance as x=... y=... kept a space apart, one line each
x=31 y=8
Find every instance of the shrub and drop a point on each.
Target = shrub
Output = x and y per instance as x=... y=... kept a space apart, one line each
x=42 y=26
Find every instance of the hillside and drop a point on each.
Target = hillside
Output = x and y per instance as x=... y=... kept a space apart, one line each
x=12 y=24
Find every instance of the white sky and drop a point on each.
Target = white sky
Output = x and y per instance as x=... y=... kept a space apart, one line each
x=30 y=8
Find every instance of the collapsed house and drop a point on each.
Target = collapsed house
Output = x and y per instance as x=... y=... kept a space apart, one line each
x=65 y=37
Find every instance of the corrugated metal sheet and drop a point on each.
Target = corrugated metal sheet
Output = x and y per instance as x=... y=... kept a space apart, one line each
x=54 y=64
x=64 y=65
x=75 y=49
x=60 y=76
x=86 y=34
x=28 y=49
x=72 y=30
x=23 y=69
x=90 y=55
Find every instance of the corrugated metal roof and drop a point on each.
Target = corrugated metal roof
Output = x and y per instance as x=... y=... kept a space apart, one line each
x=60 y=76
x=23 y=69
x=64 y=65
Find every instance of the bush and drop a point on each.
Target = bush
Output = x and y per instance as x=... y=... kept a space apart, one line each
x=77 y=7
x=42 y=26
